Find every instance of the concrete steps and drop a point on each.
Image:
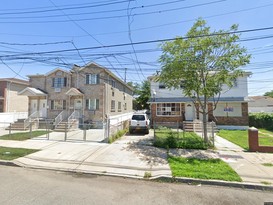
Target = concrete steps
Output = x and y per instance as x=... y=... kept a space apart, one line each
x=197 y=126
x=18 y=125
x=64 y=126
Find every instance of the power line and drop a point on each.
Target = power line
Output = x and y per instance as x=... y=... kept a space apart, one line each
x=117 y=16
x=154 y=41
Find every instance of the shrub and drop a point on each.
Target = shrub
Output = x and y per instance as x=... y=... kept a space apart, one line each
x=261 y=120
x=118 y=134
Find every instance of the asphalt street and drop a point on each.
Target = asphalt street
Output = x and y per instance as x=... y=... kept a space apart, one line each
x=27 y=186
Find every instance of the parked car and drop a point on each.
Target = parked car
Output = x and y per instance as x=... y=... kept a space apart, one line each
x=139 y=122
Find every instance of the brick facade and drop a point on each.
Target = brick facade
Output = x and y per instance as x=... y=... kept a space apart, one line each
x=171 y=121
x=220 y=120
x=108 y=88
x=241 y=121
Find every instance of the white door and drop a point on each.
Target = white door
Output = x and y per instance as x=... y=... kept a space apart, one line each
x=33 y=106
x=43 y=110
x=189 y=111
x=78 y=104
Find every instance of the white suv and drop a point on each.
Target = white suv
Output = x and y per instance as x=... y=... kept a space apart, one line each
x=139 y=122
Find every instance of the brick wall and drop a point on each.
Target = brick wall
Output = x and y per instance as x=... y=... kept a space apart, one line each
x=168 y=120
x=242 y=121
x=253 y=142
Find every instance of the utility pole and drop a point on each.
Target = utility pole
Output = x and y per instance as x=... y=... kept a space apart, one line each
x=125 y=75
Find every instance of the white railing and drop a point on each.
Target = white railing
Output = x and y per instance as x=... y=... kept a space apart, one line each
x=74 y=116
x=33 y=117
x=10 y=117
x=60 y=118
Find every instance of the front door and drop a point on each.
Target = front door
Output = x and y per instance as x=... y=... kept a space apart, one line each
x=78 y=104
x=33 y=106
x=189 y=111
x=43 y=110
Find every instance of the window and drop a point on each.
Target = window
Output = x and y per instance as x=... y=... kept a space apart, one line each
x=58 y=104
x=119 y=106
x=171 y=109
x=162 y=86
x=125 y=106
x=59 y=82
x=92 y=78
x=113 y=93
x=113 y=83
x=92 y=104
x=113 y=106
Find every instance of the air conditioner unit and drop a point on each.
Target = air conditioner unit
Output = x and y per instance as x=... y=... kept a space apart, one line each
x=57 y=90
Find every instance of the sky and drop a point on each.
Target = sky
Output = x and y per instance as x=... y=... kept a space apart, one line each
x=39 y=36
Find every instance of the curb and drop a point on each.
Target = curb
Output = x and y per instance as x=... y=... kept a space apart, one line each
x=8 y=163
x=167 y=179
x=192 y=181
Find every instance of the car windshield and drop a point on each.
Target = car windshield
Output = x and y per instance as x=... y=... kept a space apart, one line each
x=138 y=117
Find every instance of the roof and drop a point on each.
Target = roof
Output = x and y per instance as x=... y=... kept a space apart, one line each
x=74 y=92
x=187 y=99
x=49 y=73
x=15 y=80
x=107 y=71
x=260 y=98
x=29 y=91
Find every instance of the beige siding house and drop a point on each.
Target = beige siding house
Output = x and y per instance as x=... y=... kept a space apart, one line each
x=93 y=91
x=10 y=101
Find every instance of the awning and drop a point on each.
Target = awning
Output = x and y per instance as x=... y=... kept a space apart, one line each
x=29 y=91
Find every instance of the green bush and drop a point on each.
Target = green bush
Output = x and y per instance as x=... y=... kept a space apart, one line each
x=261 y=120
x=166 y=138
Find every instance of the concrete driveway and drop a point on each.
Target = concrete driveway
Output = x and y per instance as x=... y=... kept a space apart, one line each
x=131 y=156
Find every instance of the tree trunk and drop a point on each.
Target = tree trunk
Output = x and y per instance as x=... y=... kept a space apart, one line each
x=205 y=130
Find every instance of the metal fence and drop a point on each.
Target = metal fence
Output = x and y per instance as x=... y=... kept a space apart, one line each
x=177 y=129
x=93 y=131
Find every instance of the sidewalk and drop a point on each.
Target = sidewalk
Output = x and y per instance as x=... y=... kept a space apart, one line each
x=247 y=164
x=131 y=156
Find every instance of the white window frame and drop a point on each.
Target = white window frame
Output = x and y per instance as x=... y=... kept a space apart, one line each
x=168 y=109
x=92 y=104
x=113 y=106
x=92 y=79
x=58 y=104
x=119 y=106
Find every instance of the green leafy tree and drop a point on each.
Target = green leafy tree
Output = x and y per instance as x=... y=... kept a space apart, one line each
x=144 y=94
x=203 y=62
x=269 y=94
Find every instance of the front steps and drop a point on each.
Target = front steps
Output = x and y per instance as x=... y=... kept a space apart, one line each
x=197 y=126
x=65 y=126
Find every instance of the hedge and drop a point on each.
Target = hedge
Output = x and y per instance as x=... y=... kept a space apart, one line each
x=261 y=120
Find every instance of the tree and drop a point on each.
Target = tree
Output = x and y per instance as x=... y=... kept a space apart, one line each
x=203 y=62
x=144 y=95
x=269 y=94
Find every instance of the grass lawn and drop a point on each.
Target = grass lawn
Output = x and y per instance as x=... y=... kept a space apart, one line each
x=8 y=153
x=20 y=136
x=240 y=137
x=166 y=138
x=202 y=169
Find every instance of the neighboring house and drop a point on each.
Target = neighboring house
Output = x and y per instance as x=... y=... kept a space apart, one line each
x=172 y=106
x=92 y=90
x=10 y=101
x=258 y=104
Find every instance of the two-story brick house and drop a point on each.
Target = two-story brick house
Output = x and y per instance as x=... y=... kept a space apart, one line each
x=171 y=106
x=92 y=90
